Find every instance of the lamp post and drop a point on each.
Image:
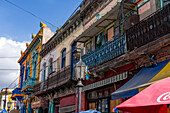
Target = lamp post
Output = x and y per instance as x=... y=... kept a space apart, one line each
x=9 y=105
x=80 y=75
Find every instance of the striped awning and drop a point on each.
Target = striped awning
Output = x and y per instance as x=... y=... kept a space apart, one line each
x=67 y=108
x=106 y=81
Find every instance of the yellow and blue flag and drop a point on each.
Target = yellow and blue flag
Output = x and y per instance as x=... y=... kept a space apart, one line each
x=87 y=72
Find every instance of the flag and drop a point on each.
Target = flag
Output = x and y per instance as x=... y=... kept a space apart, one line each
x=87 y=72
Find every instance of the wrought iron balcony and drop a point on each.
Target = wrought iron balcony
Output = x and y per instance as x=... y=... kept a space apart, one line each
x=61 y=77
x=28 y=84
x=106 y=52
x=16 y=93
x=149 y=29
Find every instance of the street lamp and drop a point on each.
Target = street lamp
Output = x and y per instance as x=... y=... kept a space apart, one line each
x=80 y=75
x=9 y=105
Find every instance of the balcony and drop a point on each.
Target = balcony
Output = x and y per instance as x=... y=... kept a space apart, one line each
x=149 y=29
x=28 y=85
x=61 y=77
x=110 y=50
x=16 y=93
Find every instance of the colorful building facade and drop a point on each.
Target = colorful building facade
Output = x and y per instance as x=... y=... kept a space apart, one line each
x=116 y=39
x=30 y=69
x=56 y=75
x=6 y=94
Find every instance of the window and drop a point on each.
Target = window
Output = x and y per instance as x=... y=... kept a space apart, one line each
x=110 y=33
x=44 y=71
x=22 y=74
x=100 y=40
x=26 y=71
x=63 y=63
x=34 y=63
x=50 y=68
x=89 y=45
x=73 y=51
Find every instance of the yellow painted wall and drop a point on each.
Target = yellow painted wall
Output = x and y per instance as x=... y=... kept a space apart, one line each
x=37 y=48
x=10 y=99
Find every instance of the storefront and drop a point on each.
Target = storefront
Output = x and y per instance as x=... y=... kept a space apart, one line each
x=98 y=94
x=67 y=104
x=100 y=99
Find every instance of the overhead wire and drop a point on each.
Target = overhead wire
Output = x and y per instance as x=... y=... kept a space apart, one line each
x=10 y=57
x=30 y=13
x=35 y=17
x=9 y=69
x=13 y=82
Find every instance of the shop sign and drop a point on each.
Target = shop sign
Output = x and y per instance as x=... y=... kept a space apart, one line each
x=36 y=104
x=15 y=104
x=165 y=97
x=40 y=103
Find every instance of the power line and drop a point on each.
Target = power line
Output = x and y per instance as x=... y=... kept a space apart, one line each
x=13 y=82
x=9 y=69
x=15 y=85
x=10 y=57
x=30 y=13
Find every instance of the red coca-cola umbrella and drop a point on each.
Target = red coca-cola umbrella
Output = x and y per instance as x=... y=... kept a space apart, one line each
x=153 y=99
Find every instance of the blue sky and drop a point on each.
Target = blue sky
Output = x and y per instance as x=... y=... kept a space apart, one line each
x=18 y=25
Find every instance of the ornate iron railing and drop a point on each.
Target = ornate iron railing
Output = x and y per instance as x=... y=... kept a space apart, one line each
x=106 y=52
x=58 y=79
x=151 y=28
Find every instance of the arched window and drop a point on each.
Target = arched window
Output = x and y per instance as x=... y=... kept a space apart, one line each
x=50 y=68
x=44 y=71
x=63 y=61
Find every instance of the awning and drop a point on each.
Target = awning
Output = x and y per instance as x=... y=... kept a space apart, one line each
x=131 y=88
x=150 y=100
x=104 y=21
x=100 y=24
x=68 y=100
x=106 y=81
x=164 y=73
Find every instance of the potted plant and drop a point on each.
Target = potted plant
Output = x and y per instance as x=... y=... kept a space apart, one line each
x=76 y=56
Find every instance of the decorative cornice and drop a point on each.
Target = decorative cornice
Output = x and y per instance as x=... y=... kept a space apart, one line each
x=61 y=34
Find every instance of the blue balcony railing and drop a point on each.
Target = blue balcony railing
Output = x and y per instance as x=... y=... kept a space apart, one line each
x=106 y=52
x=29 y=82
x=16 y=91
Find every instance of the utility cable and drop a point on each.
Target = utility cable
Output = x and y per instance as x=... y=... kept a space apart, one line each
x=30 y=13
x=9 y=69
x=13 y=82
x=10 y=57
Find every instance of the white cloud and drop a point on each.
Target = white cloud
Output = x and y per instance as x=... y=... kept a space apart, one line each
x=9 y=48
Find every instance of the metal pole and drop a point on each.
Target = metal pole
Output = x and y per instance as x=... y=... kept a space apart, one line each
x=5 y=97
x=79 y=85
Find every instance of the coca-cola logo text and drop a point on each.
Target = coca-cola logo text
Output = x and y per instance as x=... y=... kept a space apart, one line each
x=164 y=97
